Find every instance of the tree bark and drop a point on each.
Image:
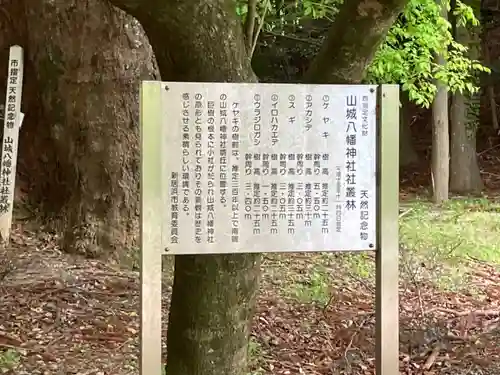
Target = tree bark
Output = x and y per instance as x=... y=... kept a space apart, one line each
x=465 y=176
x=89 y=58
x=359 y=29
x=440 y=133
x=213 y=296
x=407 y=152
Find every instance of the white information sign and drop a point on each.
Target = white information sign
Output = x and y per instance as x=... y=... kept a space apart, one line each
x=268 y=167
x=12 y=122
x=232 y=168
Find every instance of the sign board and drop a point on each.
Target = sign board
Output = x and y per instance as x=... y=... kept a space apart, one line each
x=12 y=122
x=263 y=168
x=233 y=167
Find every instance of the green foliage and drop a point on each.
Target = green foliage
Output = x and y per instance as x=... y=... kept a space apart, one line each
x=285 y=16
x=315 y=289
x=9 y=360
x=407 y=57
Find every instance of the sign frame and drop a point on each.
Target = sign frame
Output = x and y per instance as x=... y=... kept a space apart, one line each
x=387 y=250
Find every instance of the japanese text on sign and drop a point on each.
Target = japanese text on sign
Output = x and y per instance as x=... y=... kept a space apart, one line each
x=266 y=168
x=11 y=124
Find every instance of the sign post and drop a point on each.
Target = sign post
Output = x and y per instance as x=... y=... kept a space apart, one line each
x=238 y=168
x=12 y=122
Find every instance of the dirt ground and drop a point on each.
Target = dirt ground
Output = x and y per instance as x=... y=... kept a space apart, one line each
x=66 y=315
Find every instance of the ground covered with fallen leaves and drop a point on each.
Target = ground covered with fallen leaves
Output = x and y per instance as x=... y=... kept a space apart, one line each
x=63 y=314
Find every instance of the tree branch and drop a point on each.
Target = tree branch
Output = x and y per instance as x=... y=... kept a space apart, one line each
x=357 y=32
x=250 y=25
x=259 y=28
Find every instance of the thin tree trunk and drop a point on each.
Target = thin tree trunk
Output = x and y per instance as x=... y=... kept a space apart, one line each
x=490 y=28
x=440 y=133
x=407 y=152
x=89 y=58
x=465 y=175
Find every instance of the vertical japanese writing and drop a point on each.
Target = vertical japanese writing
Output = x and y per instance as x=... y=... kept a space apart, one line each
x=309 y=112
x=256 y=208
x=7 y=164
x=10 y=119
x=364 y=113
x=265 y=164
x=338 y=205
x=257 y=119
x=10 y=110
x=282 y=164
x=198 y=167
x=316 y=200
x=282 y=201
x=186 y=118
x=308 y=197
x=274 y=119
x=274 y=208
x=291 y=105
x=325 y=103
x=265 y=201
x=309 y=170
x=299 y=208
x=325 y=208
x=174 y=208
x=291 y=208
x=317 y=164
x=351 y=152
x=300 y=164
x=364 y=215
x=223 y=122
x=211 y=171
x=235 y=173
x=248 y=201
x=273 y=167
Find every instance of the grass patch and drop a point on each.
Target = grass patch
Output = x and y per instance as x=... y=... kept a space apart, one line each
x=443 y=240
x=255 y=353
x=439 y=244
x=315 y=287
x=9 y=360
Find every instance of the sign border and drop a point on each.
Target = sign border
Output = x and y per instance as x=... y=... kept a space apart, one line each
x=387 y=251
x=387 y=241
x=151 y=228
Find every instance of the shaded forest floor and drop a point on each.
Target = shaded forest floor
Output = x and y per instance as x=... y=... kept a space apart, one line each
x=66 y=315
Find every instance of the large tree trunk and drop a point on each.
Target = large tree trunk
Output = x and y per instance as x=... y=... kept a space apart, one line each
x=359 y=29
x=465 y=176
x=89 y=58
x=213 y=295
x=440 y=134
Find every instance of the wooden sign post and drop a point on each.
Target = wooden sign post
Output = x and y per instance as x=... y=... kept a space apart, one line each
x=234 y=168
x=12 y=122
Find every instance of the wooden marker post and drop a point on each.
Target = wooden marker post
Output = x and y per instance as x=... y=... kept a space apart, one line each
x=12 y=122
